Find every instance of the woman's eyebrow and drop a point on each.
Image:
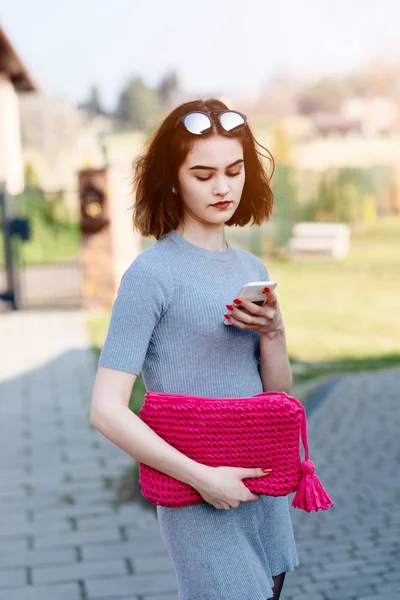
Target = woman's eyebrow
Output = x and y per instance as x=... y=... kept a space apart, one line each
x=214 y=169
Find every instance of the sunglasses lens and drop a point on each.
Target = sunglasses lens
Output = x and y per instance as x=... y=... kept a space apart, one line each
x=230 y=120
x=197 y=123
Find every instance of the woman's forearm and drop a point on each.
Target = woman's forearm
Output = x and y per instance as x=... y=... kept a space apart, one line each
x=275 y=370
x=127 y=431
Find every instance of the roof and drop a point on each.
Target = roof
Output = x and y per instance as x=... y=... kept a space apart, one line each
x=11 y=64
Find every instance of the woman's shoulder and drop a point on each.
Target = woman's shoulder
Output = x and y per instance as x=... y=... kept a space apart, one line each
x=150 y=267
x=253 y=260
x=150 y=258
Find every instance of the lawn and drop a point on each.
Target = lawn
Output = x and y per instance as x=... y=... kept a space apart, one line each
x=343 y=315
x=339 y=315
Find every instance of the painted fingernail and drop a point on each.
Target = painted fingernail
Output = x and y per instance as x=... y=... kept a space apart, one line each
x=227 y=316
x=266 y=289
x=237 y=301
x=266 y=470
x=229 y=306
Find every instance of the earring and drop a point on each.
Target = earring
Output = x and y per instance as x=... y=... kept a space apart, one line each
x=174 y=190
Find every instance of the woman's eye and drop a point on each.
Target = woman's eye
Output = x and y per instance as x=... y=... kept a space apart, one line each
x=209 y=177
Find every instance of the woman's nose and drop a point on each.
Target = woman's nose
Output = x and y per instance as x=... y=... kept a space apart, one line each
x=221 y=188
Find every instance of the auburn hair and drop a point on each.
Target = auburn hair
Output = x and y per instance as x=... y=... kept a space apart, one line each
x=157 y=210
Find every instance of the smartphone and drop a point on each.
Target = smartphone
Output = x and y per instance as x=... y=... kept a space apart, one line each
x=254 y=291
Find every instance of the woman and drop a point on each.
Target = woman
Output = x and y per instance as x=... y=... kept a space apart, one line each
x=177 y=320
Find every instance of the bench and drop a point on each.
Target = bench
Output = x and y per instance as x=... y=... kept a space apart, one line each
x=329 y=239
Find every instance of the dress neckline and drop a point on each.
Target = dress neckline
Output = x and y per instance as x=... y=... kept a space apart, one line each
x=223 y=255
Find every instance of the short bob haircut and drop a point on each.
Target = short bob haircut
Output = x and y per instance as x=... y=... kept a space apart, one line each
x=156 y=210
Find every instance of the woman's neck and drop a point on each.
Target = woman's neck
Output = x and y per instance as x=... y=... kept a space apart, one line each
x=208 y=238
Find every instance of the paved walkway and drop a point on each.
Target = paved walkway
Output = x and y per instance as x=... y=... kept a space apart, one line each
x=62 y=537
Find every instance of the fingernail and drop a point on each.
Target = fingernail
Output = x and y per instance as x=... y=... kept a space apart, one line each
x=227 y=316
x=266 y=470
x=266 y=289
x=237 y=301
x=229 y=306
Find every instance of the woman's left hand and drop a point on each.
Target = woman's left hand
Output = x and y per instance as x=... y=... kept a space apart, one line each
x=267 y=319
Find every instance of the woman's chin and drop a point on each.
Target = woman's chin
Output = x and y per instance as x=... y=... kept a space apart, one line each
x=220 y=218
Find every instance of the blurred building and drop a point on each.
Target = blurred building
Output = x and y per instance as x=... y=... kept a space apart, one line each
x=58 y=140
x=376 y=115
x=14 y=79
x=328 y=124
x=366 y=117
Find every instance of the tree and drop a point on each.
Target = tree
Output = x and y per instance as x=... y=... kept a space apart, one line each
x=93 y=105
x=139 y=106
x=94 y=101
x=167 y=88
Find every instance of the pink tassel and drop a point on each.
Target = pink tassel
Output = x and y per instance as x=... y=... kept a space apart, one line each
x=311 y=494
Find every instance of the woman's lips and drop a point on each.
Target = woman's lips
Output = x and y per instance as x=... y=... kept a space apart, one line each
x=221 y=204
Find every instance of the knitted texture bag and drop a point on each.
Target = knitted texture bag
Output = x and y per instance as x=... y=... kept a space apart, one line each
x=258 y=431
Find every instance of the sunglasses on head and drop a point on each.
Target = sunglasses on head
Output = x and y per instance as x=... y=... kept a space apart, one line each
x=198 y=122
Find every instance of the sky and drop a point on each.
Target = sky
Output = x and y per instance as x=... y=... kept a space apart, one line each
x=222 y=46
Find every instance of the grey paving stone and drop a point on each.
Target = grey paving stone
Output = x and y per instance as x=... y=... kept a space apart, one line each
x=302 y=596
x=364 y=511
x=65 y=591
x=392 y=589
x=100 y=521
x=12 y=478
x=134 y=584
x=77 y=537
x=16 y=529
x=161 y=597
x=333 y=573
x=8 y=546
x=66 y=512
x=95 y=496
x=85 y=488
x=12 y=498
x=13 y=516
x=149 y=564
x=394 y=595
x=96 y=522
x=12 y=578
x=122 y=549
x=374 y=568
x=30 y=558
x=362 y=589
x=394 y=576
x=138 y=531
x=340 y=596
x=58 y=574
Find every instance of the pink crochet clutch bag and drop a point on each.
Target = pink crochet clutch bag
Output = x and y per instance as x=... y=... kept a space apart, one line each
x=259 y=431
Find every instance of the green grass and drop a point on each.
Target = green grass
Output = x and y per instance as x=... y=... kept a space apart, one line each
x=52 y=244
x=342 y=315
x=339 y=316
x=48 y=244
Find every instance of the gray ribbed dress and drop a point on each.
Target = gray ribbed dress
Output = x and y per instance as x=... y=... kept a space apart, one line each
x=167 y=322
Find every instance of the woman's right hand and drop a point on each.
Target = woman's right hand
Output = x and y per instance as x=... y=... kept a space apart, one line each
x=223 y=487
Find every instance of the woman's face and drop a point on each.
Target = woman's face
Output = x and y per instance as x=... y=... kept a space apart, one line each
x=211 y=179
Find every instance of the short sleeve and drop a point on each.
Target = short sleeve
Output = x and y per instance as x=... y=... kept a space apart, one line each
x=143 y=295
